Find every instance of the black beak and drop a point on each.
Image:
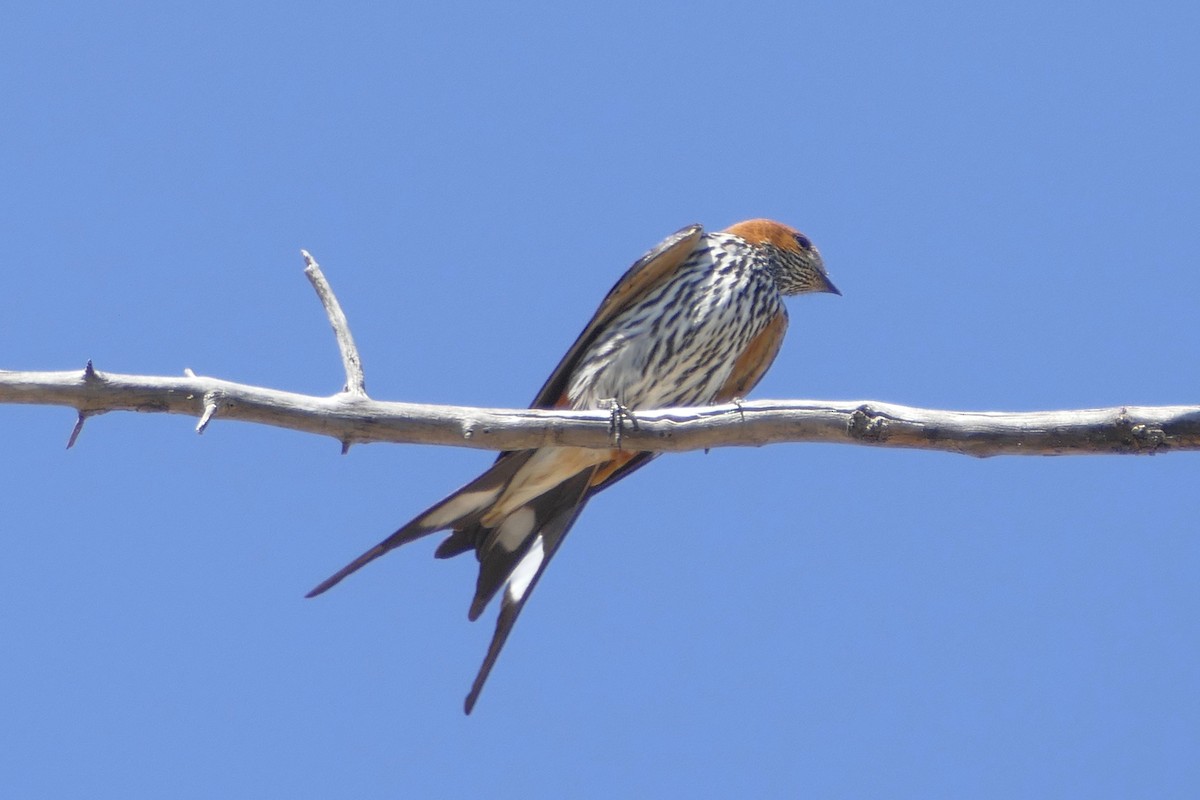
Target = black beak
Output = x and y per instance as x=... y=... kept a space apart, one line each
x=830 y=288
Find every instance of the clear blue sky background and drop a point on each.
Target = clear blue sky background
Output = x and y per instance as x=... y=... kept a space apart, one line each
x=1007 y=194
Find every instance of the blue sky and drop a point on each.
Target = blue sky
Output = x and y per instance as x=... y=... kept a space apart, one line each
x=1006 y=195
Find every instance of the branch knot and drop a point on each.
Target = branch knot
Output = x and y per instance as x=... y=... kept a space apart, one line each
x=867 y=425
x=1139 y=437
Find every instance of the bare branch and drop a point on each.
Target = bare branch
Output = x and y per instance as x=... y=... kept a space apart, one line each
x=351 y=418
x=355 y=380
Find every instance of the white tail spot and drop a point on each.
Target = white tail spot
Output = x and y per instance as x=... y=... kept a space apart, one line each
x=514 y=530
x=526 y=569
x=457 y=507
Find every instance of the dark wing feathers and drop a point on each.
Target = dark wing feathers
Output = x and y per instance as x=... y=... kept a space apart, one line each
x=646 y=273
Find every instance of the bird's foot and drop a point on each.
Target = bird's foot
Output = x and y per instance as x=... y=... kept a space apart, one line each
x=737 y=403
x=616 y=423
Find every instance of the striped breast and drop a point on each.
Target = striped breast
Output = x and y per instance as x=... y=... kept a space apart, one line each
x=678 y=345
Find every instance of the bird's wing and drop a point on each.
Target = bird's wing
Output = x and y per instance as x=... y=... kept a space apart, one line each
x=646 y=273
x=655 y=266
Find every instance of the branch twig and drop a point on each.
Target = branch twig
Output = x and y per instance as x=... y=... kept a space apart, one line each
x=355 y=380
x=78 y=429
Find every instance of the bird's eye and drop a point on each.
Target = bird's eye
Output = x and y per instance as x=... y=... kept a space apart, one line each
x=804 y=242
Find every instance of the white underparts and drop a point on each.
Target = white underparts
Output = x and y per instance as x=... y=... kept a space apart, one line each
x=678 y=344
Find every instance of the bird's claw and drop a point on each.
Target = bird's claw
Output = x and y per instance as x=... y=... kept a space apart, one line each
x=616 y=422
x=737 y=403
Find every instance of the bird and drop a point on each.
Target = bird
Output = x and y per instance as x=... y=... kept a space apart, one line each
x=695 y=321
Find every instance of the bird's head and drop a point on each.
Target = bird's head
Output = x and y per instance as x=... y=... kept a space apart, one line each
x=794 y=260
